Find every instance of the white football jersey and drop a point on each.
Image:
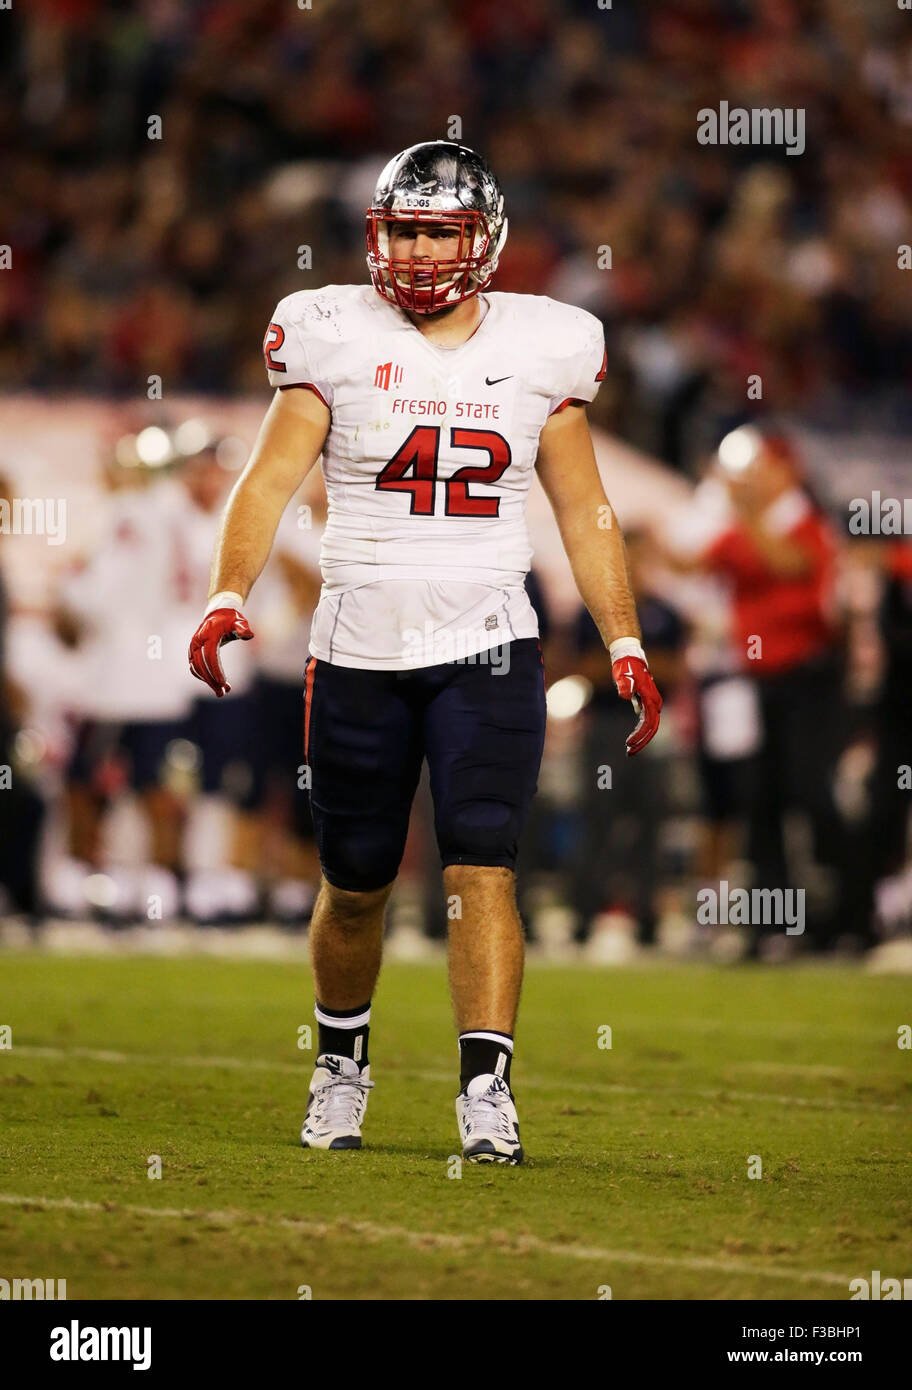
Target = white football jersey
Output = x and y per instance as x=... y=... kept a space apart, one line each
x=135 y=653
x=428 y=464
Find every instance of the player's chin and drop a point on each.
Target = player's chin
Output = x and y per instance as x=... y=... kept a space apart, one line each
x=424 y=297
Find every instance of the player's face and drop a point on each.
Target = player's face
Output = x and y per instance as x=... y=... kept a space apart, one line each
x=425 y=241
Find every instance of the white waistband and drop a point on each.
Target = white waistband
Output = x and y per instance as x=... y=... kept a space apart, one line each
x=338 y=577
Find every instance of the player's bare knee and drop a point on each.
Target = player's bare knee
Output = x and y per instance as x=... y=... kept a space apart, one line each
x=354 y=909
x=479 y=878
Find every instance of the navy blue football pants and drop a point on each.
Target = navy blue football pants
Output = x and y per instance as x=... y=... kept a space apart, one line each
x=480 y=726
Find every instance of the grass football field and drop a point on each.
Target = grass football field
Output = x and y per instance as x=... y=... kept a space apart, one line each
x=637 y=1155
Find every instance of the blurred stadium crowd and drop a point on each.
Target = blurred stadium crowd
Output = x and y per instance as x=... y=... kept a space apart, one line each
x=138 y=255
x=134 y=256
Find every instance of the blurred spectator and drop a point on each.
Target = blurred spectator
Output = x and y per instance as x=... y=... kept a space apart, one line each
x=280 y=835
x=219 y=855
x=622 y=805
x=891 y=781
x=876 y=840
x=135 y=255
x=21 y=807
x=779 y=557
x=134 y=699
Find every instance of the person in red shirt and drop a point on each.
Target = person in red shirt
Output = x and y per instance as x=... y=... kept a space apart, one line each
x=779 y=557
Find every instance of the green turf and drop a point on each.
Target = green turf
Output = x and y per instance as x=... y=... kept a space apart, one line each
x=637 y=1155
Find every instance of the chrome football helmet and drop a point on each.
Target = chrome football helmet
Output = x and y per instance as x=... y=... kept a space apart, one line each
x=439 y=181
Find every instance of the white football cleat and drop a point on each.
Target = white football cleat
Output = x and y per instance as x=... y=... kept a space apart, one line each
x=488 y=1123
x=336 y=1104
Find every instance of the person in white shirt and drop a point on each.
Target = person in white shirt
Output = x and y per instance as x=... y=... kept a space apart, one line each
x=282 y=608
x=220 y=836
x=134 y=696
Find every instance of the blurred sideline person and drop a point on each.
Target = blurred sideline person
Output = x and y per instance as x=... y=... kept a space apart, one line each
x=90 y=774
x=124 y=601
x=22 y=809
x=280 y=834
x=616 y=861
x=205 y=849
x=891 y=777
x=431 y=401
x=778 y=556
x=877 y=848
x=726 y=720
x=221 y=832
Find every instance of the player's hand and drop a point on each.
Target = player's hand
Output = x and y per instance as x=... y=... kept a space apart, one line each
x=221 y=625
x=634 y=683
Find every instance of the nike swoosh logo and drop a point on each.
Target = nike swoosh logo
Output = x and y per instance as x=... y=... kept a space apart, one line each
x=496 y=379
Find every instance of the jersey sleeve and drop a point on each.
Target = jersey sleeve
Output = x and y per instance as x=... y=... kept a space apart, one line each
x=292 y=355
x=581 y=371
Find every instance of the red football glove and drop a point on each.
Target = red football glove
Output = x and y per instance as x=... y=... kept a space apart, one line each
x=221 y=625
x=634 y=683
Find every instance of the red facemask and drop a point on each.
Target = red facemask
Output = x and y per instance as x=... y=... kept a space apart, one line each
x=424 y=286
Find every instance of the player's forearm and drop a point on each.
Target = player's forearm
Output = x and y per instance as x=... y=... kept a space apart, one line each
x=245 y=538
x=287 y=447
x=599 y=564
x=569 y=474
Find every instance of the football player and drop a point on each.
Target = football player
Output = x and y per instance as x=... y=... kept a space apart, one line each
x=432 y=401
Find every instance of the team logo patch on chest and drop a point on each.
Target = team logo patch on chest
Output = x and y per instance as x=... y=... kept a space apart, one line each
x=388 y=376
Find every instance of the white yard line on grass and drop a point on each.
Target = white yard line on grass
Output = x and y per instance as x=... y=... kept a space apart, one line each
x=424 y=1240
x=720 y=1092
